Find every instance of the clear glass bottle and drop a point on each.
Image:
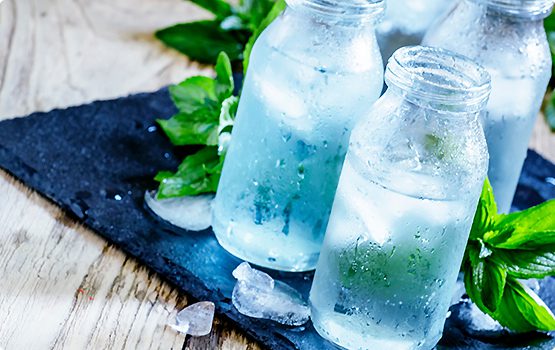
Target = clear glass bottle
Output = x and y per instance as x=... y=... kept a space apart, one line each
x=508 y=38
x=312 y=73
x=404 y=206
x=406 y=21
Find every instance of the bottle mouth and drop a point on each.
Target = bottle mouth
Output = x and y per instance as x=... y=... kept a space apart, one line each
x=439 y=78
x=528 y=9
x=360 y=10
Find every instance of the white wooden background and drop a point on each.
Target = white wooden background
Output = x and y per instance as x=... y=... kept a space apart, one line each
x=61 y=286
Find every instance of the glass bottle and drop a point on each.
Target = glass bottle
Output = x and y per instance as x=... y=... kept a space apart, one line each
x=404 y=206
x=312 y=73
x=406 y=21
x=508 y=38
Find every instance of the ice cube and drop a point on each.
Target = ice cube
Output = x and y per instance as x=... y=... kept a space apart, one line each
x=189 y=213
x=196 y=319
x=257 y=295
x=248 y=275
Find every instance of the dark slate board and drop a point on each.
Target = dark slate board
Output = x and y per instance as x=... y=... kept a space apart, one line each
x=96 y=161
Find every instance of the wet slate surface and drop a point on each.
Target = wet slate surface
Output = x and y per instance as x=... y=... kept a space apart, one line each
x=95 y=161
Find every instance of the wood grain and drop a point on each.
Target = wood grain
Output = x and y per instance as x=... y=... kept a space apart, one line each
x=61 y=286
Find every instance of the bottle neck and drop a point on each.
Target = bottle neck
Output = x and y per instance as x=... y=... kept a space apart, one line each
x=342 y=12
x=517 y=10
x=438 y=79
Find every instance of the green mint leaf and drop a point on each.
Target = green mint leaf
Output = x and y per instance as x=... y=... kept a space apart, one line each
x=486 y=213
x=549 y=108
x=255 y=11
x=227 y=118
x=162 y=175
x=195 y=94
x=218 y=7
x=440 y=147
x=530 y=229
x=202 y=41
x=224 y=77
x=198 y=173
x=520 y=309
x=191 y=129
x=529 y=305
x=488 y=280
x=508 y=313
x=527 y=264
x=276 y=10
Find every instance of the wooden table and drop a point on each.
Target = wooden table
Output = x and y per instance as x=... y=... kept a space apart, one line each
x=62 y=286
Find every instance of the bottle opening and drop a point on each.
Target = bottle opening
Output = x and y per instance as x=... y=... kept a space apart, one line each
x=526 y=9
x=360 y=10
x=441 y=77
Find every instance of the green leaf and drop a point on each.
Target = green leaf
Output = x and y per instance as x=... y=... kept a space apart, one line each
x=520 y=309
x=198 y=173
x=485 y=213
x=526 y=230
x=255 y=11
x=202 y=41
x=276 y=10
x=224 y=78
x=191 y=129
x=487 y=278
x=195 y=94
x=162 y=175
x=509 y=315
x=527 y=264
x=549 y=110
x=227 y=118
x=218 y=7
x=531 y=308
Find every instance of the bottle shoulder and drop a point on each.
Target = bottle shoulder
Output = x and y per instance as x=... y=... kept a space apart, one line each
x=309 y=42
x=499 y=44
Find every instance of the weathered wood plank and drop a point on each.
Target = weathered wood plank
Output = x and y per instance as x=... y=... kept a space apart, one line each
x=61 y=286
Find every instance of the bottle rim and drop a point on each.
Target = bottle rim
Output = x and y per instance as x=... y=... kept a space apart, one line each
x=365 y=10
x=526 y=9
x=439 y=76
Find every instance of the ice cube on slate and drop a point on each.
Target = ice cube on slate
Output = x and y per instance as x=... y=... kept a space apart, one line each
x=189 y=213
x=257 y=295
x=196 y=319
x=248 y=275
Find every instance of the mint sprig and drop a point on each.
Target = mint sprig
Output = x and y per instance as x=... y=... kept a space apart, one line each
x=503 y=249
x=207 y=109
x=229 y=31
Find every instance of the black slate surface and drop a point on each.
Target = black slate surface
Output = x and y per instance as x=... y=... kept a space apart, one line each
x=96 y=161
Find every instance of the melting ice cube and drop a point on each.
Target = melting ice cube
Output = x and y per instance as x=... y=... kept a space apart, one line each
x=257 y=295
x=196 y=319
x=189 y=213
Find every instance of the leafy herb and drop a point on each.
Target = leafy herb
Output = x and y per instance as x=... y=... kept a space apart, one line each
x=203 y=40
x=503 y=249
x=276 y=10
x=206 y=113
x=229 y=31
x=549 y=107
